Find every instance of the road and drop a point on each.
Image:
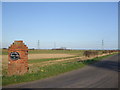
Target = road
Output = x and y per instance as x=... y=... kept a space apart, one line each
x=102 y=74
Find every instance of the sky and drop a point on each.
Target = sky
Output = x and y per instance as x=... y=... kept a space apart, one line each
x=76 y=25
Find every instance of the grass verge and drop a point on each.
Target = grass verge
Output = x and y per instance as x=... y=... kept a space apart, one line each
x=47 y=71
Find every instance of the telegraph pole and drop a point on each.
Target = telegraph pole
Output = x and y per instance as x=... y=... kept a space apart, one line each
x=38 y=44
x=102 y=44
x=54 y=44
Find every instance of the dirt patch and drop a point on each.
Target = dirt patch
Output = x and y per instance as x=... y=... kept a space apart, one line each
x=37 y=56
x=42 y=56
x=81 y=58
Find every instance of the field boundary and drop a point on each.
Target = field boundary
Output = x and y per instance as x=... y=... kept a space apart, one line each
x=50 y=70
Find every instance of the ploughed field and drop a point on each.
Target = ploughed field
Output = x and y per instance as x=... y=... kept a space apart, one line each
x=40 y=58
x=46 y=63
x=36 y=57
x=43 y=56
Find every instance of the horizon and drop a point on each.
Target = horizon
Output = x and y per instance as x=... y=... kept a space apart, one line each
x=70 y=48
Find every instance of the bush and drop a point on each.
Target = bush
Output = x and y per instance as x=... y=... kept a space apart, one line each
x=90 y=53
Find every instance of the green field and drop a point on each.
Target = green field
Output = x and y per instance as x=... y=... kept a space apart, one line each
x=5 y=51
x=48 y=71
x=47 y=67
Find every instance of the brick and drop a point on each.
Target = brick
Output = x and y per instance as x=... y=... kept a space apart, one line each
x=18 y=59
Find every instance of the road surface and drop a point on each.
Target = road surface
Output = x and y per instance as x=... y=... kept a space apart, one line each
x=102 y=74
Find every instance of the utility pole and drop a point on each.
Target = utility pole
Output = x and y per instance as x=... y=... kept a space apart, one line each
x=54 y=44
x=38 y=44
x=102 y=44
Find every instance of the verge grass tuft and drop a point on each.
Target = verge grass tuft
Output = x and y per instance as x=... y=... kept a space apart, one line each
x=48 y=71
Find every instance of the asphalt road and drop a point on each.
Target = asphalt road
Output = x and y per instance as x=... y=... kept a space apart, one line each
x=103 y=74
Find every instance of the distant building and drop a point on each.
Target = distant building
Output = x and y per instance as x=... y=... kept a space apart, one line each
x=61 y=48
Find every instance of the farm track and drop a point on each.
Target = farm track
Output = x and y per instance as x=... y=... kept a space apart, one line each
x=102 y=74
x=37 y=56
x=46 y=63
x=51 y=62
x=5 y=58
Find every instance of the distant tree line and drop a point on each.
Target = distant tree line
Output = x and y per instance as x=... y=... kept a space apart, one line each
x=89 y=53
x=109 y=51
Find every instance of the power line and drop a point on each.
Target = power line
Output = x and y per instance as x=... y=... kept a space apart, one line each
x=54 y=44
x=102 y=44
x=38 y=44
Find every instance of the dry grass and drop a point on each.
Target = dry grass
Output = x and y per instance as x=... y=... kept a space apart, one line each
x=33 y=56
x=37 y=56
x=34 y=66
x=42 y=56
x=64 y=60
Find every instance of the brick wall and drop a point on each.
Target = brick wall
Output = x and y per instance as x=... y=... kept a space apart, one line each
x=19 y=66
